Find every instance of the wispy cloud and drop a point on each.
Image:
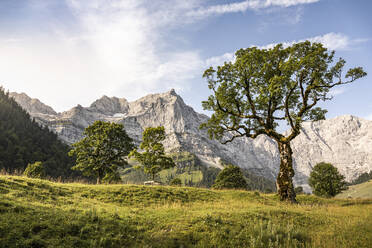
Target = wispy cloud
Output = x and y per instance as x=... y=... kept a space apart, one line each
x=244 y=6
x=333 y=41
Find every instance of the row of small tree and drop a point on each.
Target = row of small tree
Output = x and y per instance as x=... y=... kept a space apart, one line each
x=106 y=147
x=325 y=180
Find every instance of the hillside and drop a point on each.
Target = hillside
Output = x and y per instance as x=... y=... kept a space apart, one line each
x=344 y=141
x=24 y=141
x=191 y=171
x=363 y=190
x=37 y=213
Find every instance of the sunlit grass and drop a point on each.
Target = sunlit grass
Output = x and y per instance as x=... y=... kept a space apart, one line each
x=363 y=190
x=38 y=213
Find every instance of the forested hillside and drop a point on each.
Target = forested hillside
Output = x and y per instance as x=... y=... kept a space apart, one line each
x=23 y=141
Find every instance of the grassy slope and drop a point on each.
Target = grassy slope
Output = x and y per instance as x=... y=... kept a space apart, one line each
x=363 y=190
x=37 y=213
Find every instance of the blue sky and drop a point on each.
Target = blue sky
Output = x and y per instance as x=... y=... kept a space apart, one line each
x=69 y=52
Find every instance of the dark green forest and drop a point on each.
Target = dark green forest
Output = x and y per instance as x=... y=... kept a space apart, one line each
x=23 y=141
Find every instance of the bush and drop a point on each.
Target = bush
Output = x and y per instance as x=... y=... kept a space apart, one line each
x=175 y=182
x=231 y=177
x=299 y=190
x=35 y=170
x=325 y=180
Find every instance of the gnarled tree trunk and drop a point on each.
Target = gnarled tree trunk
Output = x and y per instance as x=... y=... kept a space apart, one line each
x=284 y=182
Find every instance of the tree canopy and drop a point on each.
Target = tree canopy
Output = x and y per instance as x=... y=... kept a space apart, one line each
x=231 y=177
x=264 y=86
x=24 y=141
x=152 y=158
x=325 y=180
x=35 y=170
x=102 y=151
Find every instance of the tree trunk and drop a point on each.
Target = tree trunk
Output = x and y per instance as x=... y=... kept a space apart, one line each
x=284 y=183
x=99 y=176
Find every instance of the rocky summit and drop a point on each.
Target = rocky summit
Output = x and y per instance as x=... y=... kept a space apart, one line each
x=344 y=141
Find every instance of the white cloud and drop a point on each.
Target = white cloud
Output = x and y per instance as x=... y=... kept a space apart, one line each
x=115 y=48
x=337 y=91
x=219 y=60
x=333 y=41
x=246 y=5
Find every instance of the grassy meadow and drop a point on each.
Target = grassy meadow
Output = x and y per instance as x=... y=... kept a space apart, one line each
x=39 y=213
x=363 y=190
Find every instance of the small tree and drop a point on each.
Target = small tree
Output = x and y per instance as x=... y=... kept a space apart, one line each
x=102 y=151
x=264 y=86
x=35 y=170
x=325 y=180
x=231 y=177
x=153 y=158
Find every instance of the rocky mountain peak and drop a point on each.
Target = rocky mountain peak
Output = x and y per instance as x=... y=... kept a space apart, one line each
x=172 y=92
x=32 y=105
x=110 y=105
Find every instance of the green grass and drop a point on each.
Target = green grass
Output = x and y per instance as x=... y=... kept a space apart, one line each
x=37 y=213
x=363 y=190
x=194 y=176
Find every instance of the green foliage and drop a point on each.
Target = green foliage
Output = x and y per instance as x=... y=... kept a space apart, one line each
x=364 y=177
x=299 y=190
x=102 y=151
x=175 y=182
x=24 y=141
x=38 y=213
x=326 y=181
x=35 y=170
x=209 y=176
x=193 y=172
x=264 y=86
x=153 y=158
x=231 y=177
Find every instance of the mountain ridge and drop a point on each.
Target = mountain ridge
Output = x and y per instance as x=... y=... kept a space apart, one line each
x=342 y=140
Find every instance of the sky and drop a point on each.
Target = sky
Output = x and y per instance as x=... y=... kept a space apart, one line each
x=69 y=52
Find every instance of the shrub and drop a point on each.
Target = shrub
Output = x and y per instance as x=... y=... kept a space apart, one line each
x=35 y=170
x=325 y=180
x=299 y=190
x=175 y=182
x=231 y=177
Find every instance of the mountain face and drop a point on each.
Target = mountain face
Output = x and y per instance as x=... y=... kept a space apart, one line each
x=32 y=105
x=345 y=141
